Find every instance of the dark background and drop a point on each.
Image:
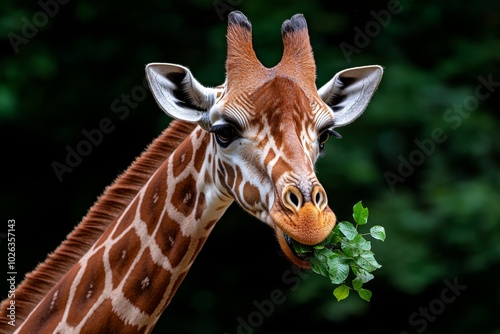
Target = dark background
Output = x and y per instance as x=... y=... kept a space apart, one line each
x=441 y=210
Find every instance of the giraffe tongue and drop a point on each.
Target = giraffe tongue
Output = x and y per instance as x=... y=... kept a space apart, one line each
x=289 y=242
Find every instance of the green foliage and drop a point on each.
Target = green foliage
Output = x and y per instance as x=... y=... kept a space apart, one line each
x=343 y=250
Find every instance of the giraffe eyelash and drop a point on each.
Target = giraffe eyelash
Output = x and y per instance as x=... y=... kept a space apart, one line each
x=225 y=134
x=335 y=134
x=323 y=138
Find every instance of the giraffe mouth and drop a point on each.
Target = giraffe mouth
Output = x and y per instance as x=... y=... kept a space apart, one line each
x=309 y=227
x=289 y=242
x=286 y=243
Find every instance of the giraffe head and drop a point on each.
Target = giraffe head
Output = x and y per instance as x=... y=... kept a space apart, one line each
x=269 y=125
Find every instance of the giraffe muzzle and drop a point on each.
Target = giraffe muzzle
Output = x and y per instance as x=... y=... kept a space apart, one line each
x=304 y=217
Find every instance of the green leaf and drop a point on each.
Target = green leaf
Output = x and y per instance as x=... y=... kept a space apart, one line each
x=348 y=230
x=333 y=238
x=338 y=269
x=378 y=232
x=341 y=292
x=370 y=257
x=325 y=252
x=320 y=255
x=361 y=273
x=361 y=243
x=357 y=283
x=365 y=294
x=367 y=261
x=319 y=262
x=351 y=248
x=300 y=248
x=319 y=266
x=360 y=213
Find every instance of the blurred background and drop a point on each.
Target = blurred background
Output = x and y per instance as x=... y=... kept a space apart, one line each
x=424 y=158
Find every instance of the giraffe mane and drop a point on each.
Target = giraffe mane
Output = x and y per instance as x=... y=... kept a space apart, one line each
x=115 y=198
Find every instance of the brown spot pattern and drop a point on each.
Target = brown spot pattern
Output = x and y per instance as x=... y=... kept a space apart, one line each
x=147 y=283
x=127 y=218
x=122 y=254
x=105 y=321
x=251 y=194
x=182 y=157
x=89 y=289
x=199 y=157
x=269 y=157
x=184 y=196
x=201 y=206
x=45 y=318
x=173 y=244
x=230 y=175
x=279 y=168
x=154 y=199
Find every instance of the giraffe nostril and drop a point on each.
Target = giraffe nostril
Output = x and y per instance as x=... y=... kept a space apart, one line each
x=294 y=199
x=319 y=197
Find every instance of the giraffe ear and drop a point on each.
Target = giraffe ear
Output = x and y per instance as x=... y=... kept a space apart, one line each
x=350 y=91
x=179 y=94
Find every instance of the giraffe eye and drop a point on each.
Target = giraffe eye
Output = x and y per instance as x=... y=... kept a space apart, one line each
x=225 y=134
x=323 y=137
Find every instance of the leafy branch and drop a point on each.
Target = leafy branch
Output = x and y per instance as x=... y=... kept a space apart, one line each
x=344 y=250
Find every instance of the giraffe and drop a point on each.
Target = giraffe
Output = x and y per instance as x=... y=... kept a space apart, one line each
x=253 y=140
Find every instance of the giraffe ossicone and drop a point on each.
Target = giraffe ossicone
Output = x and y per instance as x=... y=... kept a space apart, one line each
x=253 y=140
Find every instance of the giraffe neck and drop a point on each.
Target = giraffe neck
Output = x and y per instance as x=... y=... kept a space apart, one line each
x=128 y=277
